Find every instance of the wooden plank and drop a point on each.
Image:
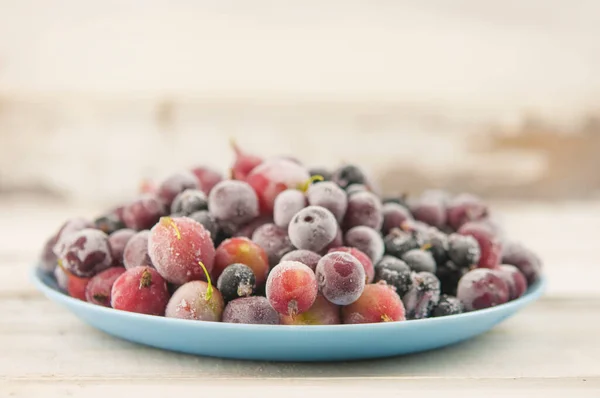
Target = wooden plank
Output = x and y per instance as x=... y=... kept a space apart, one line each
x=43 y=341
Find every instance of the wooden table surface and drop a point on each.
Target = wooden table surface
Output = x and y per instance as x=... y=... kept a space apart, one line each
x=552 y=348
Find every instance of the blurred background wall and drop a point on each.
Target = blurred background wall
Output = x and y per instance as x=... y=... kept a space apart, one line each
x=498 y=97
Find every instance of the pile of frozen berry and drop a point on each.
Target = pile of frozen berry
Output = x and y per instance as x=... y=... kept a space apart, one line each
x=279 y=243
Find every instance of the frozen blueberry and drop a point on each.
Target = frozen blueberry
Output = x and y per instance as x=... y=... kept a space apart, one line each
x=313 y=228
x=398 y=242
x=448 y=305
x=394 y=272
x=423 y=295
x=463 y=250
x=189 y=201
x=237 y=280
x=419 y=260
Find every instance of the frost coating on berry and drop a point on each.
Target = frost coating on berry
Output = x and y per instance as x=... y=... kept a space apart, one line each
x=482 y=288
x=313 y=228
x=274 y=240
x=422 y=296
x=367 y=240
x=362 y=258
x=135 y=253
x=489 y=244
x=291 y=288
x=515 y=280
x=191 y=301
x=463 y=250
x=175 y=184
x=69 y=227
x=394 y=215
x=189 y=201
x=524 y=259
x=330 y=196
x=237 y=280
x=233 y=201
x=364 y=208
x=306 y=257
x=241 y=250
x=394 y=272
x=464 y=208
x=378 y=303
x=143 y=212
x=141 y=290
x=341 y=278
x=254 y=310
x=420 y=260
x=447 y=305
x=287 y=204
x=322 y=312
x=118 y=241
x=85 y=253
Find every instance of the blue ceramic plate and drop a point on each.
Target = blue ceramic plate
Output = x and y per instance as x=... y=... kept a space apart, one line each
x=288 y=343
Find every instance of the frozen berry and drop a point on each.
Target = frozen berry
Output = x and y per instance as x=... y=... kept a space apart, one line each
x=489 y=244
x=291 y=288
x=143 y=213
x=463 y=250
x=517 y=284
x=419 y=260
x=69 y=227
x=348 y=175
x=175 y=184
x=429 y=209
x=435 y=242
x=448 y=305
x=189 y=201
x=482 y=288
x=362 y=258
x=378 y=303
x=394 y=272
x=135 y=253
x=85 y=253
x=398 y=242
x=322 y=312
x=236 y=280
x=449 y=274
x=338 y=241
x=366 y=240
x=274 y=240
x=117 y=241
x=330 y=196
x=141 y=290
x=76 y=286
x=341 y=278
x=242 y=250
x=313 y=228
x=177 y=246
x=254 y=310
x=364 y=208
x=464 y=208
x=305 y=257
x=356 y=188
x=207 y=177
x=233 y=202
x=244 y=163
x=99 y=288
x=196 y=300
x=394 y=215
x=524 y=259
x=248 y=229
x=422 y=296
x=287 y=204
x=208 y=222
x=274 y=176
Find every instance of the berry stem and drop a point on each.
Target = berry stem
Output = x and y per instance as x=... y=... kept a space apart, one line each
x=209 y=290
x=306 y=184
x=168 y=222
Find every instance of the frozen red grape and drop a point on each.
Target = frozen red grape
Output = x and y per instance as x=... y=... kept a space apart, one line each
x=367 y=240
x=242 y=250
x=378 y=303
x=464 y=208
x=177 y=246
x=135 y=253
x=364 y=208
x=176 y=183
x=463 y=250
x=274 y=240
x=244 y=163
x=394 y=215
x=85 y=253
x=306 y=257
x=236 y=280
x=341 y=278
x=516 y=281
x=141 y=290
x=322 y=312
x=98 y=289
x=117 y=241
x=330 y=196
x=524 y=259
x=291 y=288
x=274 y=176
x=420 y=260
x=254 y=310
x=207 y=177
x=233 y=202
x=489 y=244
x=143 y=212
x=196 y=300
x=188 y=202
x=395 y=273
x=422 y=296
x=362 y=258
x=482 y=288
x=313 y=228
x=287 y=204
x=448 y=305
x=429 y=209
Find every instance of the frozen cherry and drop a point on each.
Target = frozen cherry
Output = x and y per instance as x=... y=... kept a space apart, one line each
x=463 y=250
x=291 y=288
x=207 y=177
x=394 y=215
x=141 y=290
x=448 y=305
x=482 y=288
x=244 y=251
x=464 y=208
x=322 y=312
x=244 y=163
x=98 y=289
x=135 y=253
x=196 y=300
x=85 y=253
x=378 y=303
x=117 y=241
x=208 y=222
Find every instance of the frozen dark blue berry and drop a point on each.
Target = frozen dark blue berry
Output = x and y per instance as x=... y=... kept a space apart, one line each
x=237 y=280
x=463 y=250
x=448 y=305
x=449 y=274
x=423 y=295
x=419 y=260
x=322 y=172
x=394 y=272
x=207 y=221
x=348 y=175
x=398 y=242
x=189 y=201
x=109 y=223
x=435 y=242
x=356 y=188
